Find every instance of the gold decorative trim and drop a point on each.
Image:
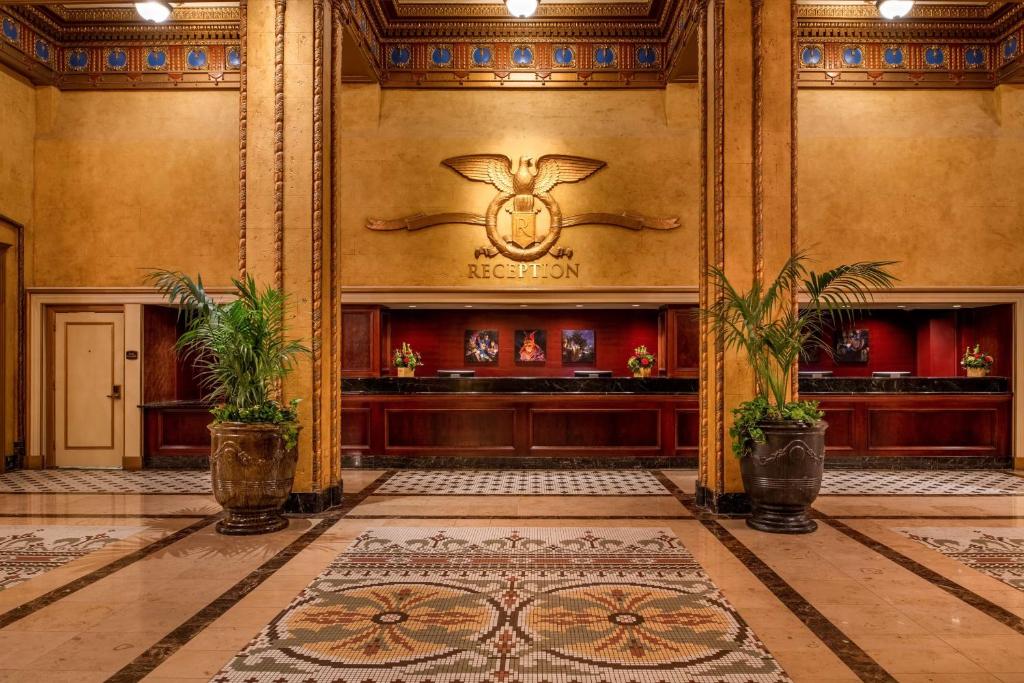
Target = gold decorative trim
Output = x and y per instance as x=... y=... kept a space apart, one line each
x=317 y=232
x=757 y=134
x=544 y=10
x=243 y=133
x=279 y=29
x=702 y=291
x=719 y=234
x=337 y=38
x=794 y=205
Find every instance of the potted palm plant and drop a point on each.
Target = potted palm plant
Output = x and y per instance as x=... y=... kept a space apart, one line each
x=781 y=442
x=243 y=353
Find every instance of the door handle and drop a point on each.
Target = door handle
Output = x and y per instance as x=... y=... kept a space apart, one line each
x=115 y=392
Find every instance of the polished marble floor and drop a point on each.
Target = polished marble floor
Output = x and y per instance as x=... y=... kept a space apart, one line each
x=901 y=587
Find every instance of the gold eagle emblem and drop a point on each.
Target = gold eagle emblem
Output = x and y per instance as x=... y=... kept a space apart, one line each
x=531 y=181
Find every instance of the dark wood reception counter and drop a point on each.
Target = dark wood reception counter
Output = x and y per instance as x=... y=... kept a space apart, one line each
x=938 y=422
x=526 y=421
x=934 y=422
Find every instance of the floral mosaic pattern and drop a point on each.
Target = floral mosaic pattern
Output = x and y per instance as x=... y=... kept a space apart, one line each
x=492 y=605
x=921 y=483
x=107 y=481
x=27 y=551
x=996 y=551
x=523 y=483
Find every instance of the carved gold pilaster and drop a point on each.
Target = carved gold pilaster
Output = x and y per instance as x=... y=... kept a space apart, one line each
x=243 y=133
x=317 y=234
x=279 y=28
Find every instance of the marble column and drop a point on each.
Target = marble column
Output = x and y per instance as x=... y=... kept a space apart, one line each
x=285 y=236
x=748 y=212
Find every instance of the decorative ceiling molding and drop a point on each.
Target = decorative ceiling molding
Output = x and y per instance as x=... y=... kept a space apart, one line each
x=912 y=54
x=83 y=49
x=922 y=11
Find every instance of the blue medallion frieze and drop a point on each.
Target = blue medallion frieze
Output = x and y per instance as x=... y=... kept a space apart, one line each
x=812 y=56
x=156 y=59
x=116 y=59
x=196 y=58
x=77 y=60
x=522 y=56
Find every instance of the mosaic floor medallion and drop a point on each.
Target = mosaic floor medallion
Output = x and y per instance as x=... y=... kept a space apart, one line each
x=523 y=483
x=27 y=551
x=996 y=551
x=921 y=483
x=107 y=481
x=493 y=605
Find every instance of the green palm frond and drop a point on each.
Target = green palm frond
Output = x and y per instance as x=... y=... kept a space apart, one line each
x=762 y=323
x=240 y=348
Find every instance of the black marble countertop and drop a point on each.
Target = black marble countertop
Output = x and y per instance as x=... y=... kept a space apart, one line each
x=518 y=385
x=650 y=385
x=905 y=385
x=191 y=403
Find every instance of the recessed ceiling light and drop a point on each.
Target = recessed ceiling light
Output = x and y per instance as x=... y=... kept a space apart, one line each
x=154 y=10
x=412 y=305
x=521 y=8
x=579 y=305
x=894 y=9
x=468 y=306
x=636 y=305
x=957 y=306
x=522 y=305
x=901 y=306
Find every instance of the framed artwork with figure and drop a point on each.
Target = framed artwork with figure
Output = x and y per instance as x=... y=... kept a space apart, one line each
x=579 y=347
x=852 y=346
x=531 y=346
x=481 y=347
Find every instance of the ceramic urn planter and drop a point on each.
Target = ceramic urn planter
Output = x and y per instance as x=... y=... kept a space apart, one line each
x=252 y=476
x=783 y=475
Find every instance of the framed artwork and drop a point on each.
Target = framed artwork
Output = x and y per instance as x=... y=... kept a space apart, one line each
x=481 y=347
x=579 y=347
x=531 y=346
x=852 y=346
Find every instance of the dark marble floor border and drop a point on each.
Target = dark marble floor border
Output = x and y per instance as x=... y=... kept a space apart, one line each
x=522 y=495
x=635 y=517
x=841 y=645
x=458 y=462
x=156 y=654
x=47 y=599
x=921 y=495
x=981 y=518
x=100 y=515
x=978 y=602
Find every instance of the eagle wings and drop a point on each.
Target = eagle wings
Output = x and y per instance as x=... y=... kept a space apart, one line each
x=496 y=169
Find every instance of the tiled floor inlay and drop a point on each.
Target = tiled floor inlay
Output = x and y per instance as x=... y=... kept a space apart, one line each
x=27 y=551
x=996 y=551
x=490 y=605
x=921 y=483
x=106 y=481
x=523 y=483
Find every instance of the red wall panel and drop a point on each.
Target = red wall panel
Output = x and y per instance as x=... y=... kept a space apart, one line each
x=439 y=336
x=992 y=327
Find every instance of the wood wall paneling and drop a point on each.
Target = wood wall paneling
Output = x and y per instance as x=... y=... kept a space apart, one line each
x=888 y=425
x=360 y=341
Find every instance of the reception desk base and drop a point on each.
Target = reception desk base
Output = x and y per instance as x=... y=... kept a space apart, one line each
x=520 y=430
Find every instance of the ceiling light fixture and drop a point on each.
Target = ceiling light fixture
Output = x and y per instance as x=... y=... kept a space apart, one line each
x=894 y=9
x=521 y=8
x=154 y=10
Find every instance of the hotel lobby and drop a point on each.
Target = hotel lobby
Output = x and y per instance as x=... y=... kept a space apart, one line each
x=480 y=341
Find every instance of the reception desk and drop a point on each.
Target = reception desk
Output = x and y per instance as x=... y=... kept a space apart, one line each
x=519 y=421
x=933 y=422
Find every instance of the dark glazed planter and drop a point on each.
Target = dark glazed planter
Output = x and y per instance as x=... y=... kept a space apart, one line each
x=252 y=476
x=783 y=475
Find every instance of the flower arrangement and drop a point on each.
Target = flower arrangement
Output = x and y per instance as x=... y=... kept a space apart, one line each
x=406 y=360
x=976 y=361
x=641 y=362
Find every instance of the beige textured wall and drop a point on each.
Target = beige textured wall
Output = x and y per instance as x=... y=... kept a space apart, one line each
x=394 y=140
x=931 y=178
x=131 y=180
x=17 y=132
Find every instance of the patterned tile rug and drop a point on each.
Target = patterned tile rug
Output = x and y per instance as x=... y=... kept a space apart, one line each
x=523 y=483
x=996 y=551
x=106 y=481
x=492 y=605
x=27 y=551
x=921 y=483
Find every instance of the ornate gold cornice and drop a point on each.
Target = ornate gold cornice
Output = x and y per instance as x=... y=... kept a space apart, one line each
x=866 y=10
x=544 y=11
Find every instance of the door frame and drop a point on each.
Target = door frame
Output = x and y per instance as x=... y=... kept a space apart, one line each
x=131 y=300
x=49 y=455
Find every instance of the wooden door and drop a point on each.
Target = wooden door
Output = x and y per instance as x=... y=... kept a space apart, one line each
x=88 y=384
